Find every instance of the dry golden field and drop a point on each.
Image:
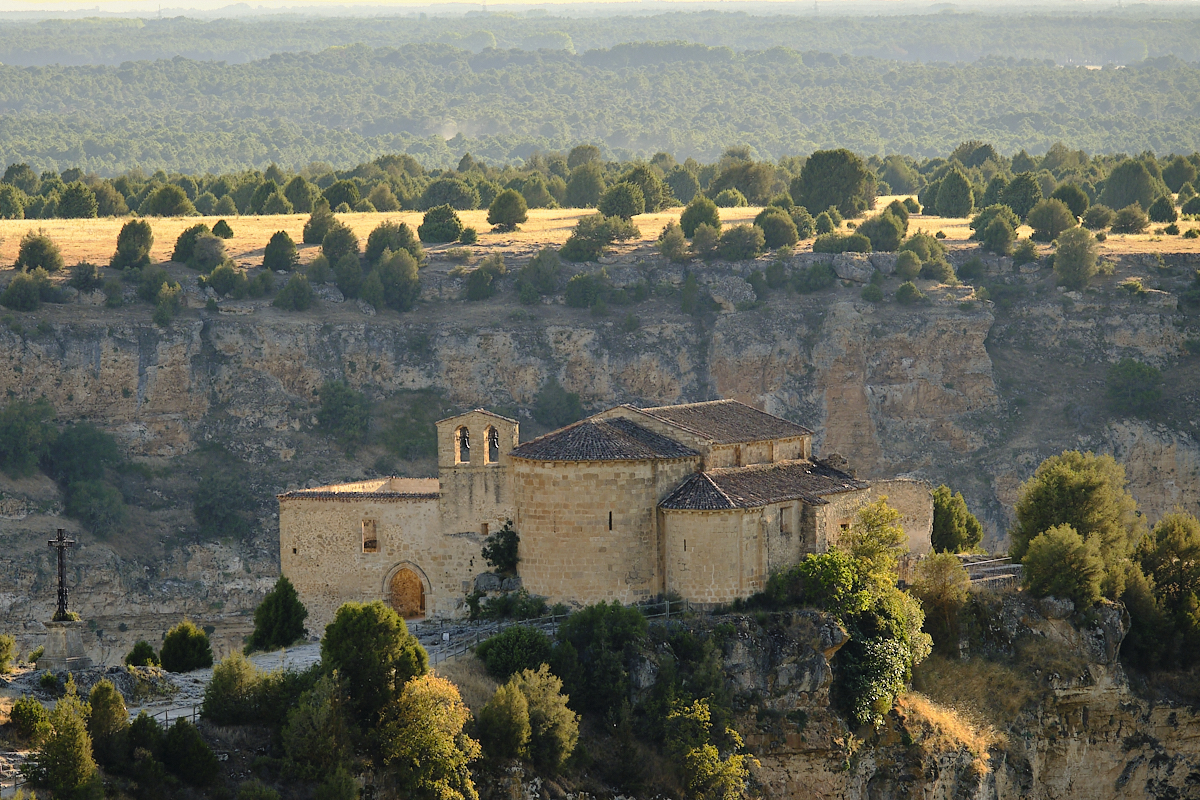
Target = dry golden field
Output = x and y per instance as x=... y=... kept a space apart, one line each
x=95 y=240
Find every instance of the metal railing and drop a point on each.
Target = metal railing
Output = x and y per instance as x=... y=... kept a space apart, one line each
x=993 y=572
x=10 y=789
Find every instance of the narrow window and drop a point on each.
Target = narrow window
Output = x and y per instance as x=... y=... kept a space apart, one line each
x=484 y=529
x=370 y=542
x=610 y=520
x=293 y=551
x=493 y=445
x=462 y=446
x=685 y=545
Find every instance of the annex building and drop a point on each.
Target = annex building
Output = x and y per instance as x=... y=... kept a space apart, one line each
x=705 y=500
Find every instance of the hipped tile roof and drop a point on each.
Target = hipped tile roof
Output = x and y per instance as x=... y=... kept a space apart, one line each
x=760 y=485
x=602 y=440
x=727 y=421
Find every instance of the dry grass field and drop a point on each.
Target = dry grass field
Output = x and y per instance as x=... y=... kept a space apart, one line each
x=95 y=240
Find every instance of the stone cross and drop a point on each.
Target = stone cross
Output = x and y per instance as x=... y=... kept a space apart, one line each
x=61 y=543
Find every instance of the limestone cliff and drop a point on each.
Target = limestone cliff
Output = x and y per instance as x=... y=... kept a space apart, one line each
x=960 y=390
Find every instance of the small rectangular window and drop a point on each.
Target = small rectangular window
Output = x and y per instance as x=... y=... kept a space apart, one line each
x=370 y=542
x=610 y=520
x=293 y=551
x=483 y=529
x=685 y=545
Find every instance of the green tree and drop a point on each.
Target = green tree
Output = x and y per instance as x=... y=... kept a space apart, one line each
x=280 y=253
x=1049 y=218
x=1162 y=210
x=682 y=183
x=705 y=773
x=8 y=652
x=449 y=191
x=585 y=186
x=345 y=413
x=440 y=224
x=232 y=694
x=187 y=756
x=779 y=230
x=338 y=242
x=1076 y=259
x=1062 y=563
x=514 y=649
x=96 y=504
x=875 y=540
x=26 y=436
x=741 y=242
x=23 y=177
x=319 y=223
x=1098 y=217
x=399 y=279
x=673 y=244
x=374 y=654
x=540 y=276
x=133 y=245
x=730 y=198
x=423 y=744
x=297 y=295
x=64 y=763
x=955 y=197
x=503 y=723
x=908 y=264
x=835 y=178
x=648 y=183
x=1133 y=387
x=393 y=236
x=142 y=655
x=583 y=154
x=222 y=229
x=1075 y=198
x=507 y=211
x=108 y=724
x=317 y=734
x=589 y=654
x=343 y=191
x=1178 y=171
x=1083 y=491
x=999 y=236
x=259 y=198
x=623 y=200
x=186 y=648
x=942 y=585
x=279 y=618
x=36 y=250
x=1130 y=219
x=955 y=528
x=12 y=202
x=1128 y=183
x=167 y=201
x=700 y=211
x=554 y=728
x=555 y=407
x=1022 y=194
x=301 y=194
x=77 y=201
x=885 y=231
x=185 y=245
x=593 y=234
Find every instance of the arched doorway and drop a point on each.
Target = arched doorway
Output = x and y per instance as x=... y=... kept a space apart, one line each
x=406 y=594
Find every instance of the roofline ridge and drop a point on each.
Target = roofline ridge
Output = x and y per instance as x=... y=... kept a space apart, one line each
x=554 y=432
x=480 y=411
x=719 y=490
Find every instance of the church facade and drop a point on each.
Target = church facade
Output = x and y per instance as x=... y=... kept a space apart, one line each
x=703 y=500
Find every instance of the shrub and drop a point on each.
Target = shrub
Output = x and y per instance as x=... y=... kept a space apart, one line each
x=908 y=264
x=730 y=198
x=319 y=223
x=835 y=243
x=186 y=648
x=1191 y=206
x=908 y=294
x=348 y=274
x=741 y=242
x=503 y=723
x=36 y=250
x=778 y=228
x=555 y=407
x=955 y=528
x=343 y=191
x=186 y=243
x=554 y=728
x=973 y=268
x=1130 y=219
x=22 y=293
x=339 y=242
x=392 y=236
x=167 y=201
x=232 y=695
x=481 y=281
x=8 y=652
x=985 y=216
x=187 y=756
x=1075 y=198
x=672 y=243
x=30 y=719
x=516 y=648
x=133 y=245
x=942 y=586
x=317 y=733
x=806 y=226
x=1075 y=260
x=440 y=224
x=345 y=413
x=142 y=655
x=399 y=279
x=1098 y=217
x=1062 y=563
x=280 y=253
x=705 y=240
x=468 y=236
x=885 y=231
x=593 y=234
x=222 y=229
x=589 y=654
x=108 y=724
x=1133 y=387
x=64 y=761
x=85 y=277
x=828 y=581
x=815 y=278
x=623 y=200
x=539 y=276
x=704 y=773
x=279 y=618
x=700 y=211
x=507 y=211
x=648 y=183
x=1025 y=253
x=872 y=293
x=1049 y=218
x=835 y=178
x=98 y=505
x=25 y=436
x=1022 y=194
x=1128 y=183
x=500 y=550
x=374 y=654
x=423 y=744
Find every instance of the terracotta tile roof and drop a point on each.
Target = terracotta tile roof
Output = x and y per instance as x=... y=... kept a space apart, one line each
x=602 y=440
x=760 y=485
x=384 y=497
x=727 y=421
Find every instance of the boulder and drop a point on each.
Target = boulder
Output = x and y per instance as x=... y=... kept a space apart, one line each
x=730 y=291
x=855 y=267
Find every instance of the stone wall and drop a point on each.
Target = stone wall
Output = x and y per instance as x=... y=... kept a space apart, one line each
x=713 y=556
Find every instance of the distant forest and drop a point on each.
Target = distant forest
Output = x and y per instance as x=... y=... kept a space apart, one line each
x=1108 y=37
x=348 y=105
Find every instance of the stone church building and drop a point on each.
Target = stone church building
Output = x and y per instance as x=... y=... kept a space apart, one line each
x=704 y=500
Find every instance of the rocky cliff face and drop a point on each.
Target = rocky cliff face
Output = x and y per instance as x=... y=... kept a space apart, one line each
x=958 y=390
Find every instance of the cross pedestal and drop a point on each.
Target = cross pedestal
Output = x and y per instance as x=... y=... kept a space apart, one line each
x=64 y=636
